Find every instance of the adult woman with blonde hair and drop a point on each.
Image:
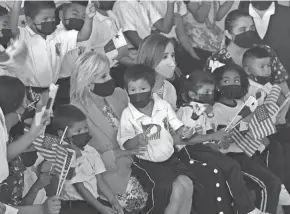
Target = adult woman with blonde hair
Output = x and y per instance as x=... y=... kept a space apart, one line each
x=157 y=52
x=93 y=91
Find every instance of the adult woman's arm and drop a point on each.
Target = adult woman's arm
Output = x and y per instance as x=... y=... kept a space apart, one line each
x=199 y=11
x=223 y=10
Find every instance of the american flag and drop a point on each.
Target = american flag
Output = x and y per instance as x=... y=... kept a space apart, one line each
x=60 y=159
x=246 y=142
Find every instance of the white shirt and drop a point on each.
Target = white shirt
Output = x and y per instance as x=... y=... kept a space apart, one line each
x=160 y=146
x=88 y=166
x=45 y=55
x=4 y=171
x=262 y=23
x=136 y=16
x=201 y=125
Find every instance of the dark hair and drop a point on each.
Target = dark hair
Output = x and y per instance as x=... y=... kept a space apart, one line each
x=12 y=92
x=196 y=80
x=66 y=115
x=218 y=74
x=3 y=11
x=137 y=72
x=255 y=53
x=32 y=8
x=233 y=16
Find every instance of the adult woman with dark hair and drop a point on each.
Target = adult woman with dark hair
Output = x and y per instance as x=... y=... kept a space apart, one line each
x=13 y=102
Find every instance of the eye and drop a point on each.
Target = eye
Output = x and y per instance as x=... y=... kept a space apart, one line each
x=104 y=76
x=173 y=55
x=143 y=88
x=237 y=81
x=226 y=81
x=165 y=56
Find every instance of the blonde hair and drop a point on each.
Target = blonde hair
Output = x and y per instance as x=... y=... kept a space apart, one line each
x=88 y=65
x=151 y=50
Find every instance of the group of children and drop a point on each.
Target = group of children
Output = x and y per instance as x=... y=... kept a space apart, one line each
x=174 y=144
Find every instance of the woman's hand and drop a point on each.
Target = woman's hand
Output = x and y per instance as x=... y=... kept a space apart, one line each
x=51 y=205
x=117 y=207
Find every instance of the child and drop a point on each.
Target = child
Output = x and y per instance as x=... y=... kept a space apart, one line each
x=232 y=84
x=138 y=129
x=46 y=48
x=5 y=31
x=82 y=191
x=198 y=114
x=257 y=64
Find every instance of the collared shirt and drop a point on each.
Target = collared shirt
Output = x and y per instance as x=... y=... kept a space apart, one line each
x=262 y=23
x=88 y=166
x=156 y=128
x=45 y=55
x=136 y=16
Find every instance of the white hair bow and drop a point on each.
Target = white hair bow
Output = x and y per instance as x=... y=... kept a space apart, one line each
x=214 y=65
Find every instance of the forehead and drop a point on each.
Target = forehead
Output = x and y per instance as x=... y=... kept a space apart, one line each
x=169 y=48
x=265 y=60
x=231 y=74
x=78 y=125
x=45 y=13
x=243 y=22
x=73 y=7
x=206 y=87
x=138 y=83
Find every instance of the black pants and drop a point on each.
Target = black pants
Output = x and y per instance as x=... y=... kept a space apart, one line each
x=77 y=207
x=231 y=171
x=266 y=185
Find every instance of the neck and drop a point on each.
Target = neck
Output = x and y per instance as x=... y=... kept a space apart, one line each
x=261 y=13
x=233 y=48
x=11 y=120
x=158 y=82
x=226 y=101
x=147 y=110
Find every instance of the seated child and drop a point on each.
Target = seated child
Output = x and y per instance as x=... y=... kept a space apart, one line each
x=86 y=187
x=199 y=89
x=144 y=124
x=232 y=84
x=257 y=64
x=46 y=48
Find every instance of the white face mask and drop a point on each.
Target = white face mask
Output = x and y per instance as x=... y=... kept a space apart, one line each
x=166 y=68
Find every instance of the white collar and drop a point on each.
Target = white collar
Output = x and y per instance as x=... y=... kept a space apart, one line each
x=100 y=17
x=270 y=11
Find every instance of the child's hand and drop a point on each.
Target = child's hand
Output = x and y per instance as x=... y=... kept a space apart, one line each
x=187 y=132
x=117 y=207
x=108 y=210
x=51 y=205
x=46 y=167
x=221 y=135
x=91 y=10
x=142 y=139
x=42 y=181
x=2 y=208
x=213 y=146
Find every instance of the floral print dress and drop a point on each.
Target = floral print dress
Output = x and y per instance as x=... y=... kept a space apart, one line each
x=135 y=197
x=222 y=57
x=11 y=189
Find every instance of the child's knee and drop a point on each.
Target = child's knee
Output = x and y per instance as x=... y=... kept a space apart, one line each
x=178 y=191
x=187 y=184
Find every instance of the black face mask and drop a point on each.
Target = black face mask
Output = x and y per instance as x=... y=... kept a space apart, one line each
x=7 y=35
x=81 y=140
x=29 y=158
x=232 y=91
x=262 y=80
x=104 y=89
x=47 y=28
x=261 y=5
x=74 y=24
x=206 y=99
x=247 y=39
x=140 y=100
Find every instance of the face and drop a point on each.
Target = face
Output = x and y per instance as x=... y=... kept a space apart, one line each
x=230 y=77
x=74 y=11
x=167 y=65
x=4 y=23
x=241 y=25
x=77 y=128
x=103 y=76
x=139 y=86
x=260 y=67
x=44 y=15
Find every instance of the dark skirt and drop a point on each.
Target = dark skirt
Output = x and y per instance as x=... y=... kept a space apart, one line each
x=163 y=174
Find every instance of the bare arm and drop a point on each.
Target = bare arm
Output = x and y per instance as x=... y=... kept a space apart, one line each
x=133 y=38
x=165 y=24
x=199 y=12
x=14 y=17
x=223 y=10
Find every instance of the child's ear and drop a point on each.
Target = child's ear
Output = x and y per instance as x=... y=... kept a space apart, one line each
x=229 y=35
x=61 y=15
x=29 y=20
x=247 y=70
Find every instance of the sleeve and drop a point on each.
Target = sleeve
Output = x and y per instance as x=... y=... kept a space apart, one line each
x=126 y=130
x=126 y=16
x=173 y=120
x=153 y=14
x=279 y=73
x=99 y=166
x=68 y=40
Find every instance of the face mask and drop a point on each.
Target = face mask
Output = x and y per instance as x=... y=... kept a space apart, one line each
x=261 y=5
x=140 y=100
x=7 y=35
x=232 y=91
x=166 y=68
x=262 y=80
x=104 y=89
x=247 y=39
x=81 y=140
x=29 y=158
x=47 y=28
x=206 y=98
x=74 y=24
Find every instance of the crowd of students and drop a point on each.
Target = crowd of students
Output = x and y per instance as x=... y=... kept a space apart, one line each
x=148 y=123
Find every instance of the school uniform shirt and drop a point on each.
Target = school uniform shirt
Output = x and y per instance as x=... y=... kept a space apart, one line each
x=139 y=16
x=224 y=115
x=160 y=143
x=201 y=126
x=88 y=166
x=4 y=172
x=45 y=55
